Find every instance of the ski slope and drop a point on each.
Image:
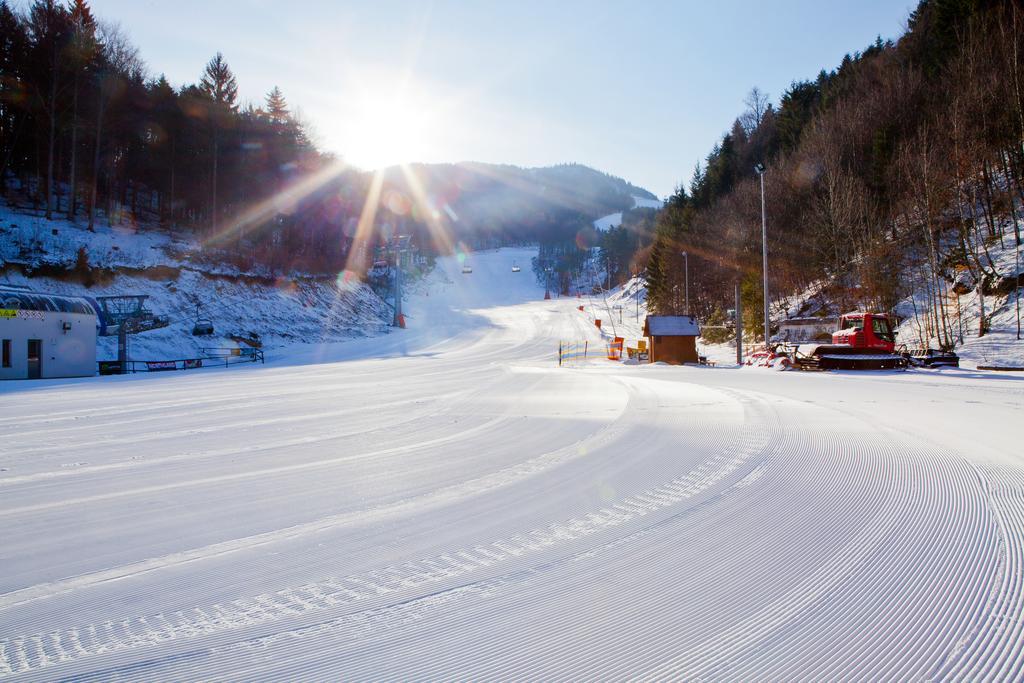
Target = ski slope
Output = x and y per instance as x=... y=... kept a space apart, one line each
x=446 y=502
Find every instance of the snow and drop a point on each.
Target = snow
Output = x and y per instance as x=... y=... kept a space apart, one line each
x=33 y=240
x=645 y=203
x=1000 y=345
x=672 y=325
x=446 y=502
x=176 y=275
x=614 y=220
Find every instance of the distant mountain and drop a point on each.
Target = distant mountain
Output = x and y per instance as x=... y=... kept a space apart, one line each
x=589 y=180
x=490 y=204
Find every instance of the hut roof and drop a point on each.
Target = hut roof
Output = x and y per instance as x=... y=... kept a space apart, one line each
x=28 y=300
x=671 y=326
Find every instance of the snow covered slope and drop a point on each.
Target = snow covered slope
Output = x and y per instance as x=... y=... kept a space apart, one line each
x=645 y=203
x=930 y=317
x=177 y=276
x=614 y=220
x=446 y=502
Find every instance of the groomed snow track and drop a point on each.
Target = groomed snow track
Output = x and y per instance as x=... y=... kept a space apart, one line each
x=447 y=503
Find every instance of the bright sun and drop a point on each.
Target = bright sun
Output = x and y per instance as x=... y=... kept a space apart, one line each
x=388 y=130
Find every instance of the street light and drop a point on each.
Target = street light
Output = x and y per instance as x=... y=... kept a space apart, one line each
x=686 y=280
x=637 y=297
x=759 y=168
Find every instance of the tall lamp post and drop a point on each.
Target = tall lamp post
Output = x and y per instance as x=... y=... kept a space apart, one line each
x=759 y=168
x=637 y=297
x=686 y=280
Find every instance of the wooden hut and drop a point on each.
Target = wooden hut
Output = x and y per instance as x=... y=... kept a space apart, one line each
x=672 y=338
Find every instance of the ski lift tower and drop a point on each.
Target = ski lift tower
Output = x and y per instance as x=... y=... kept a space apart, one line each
x=395 y=248
x=126 y=314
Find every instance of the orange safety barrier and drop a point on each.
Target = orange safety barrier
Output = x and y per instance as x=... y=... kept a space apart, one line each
x=615 y=349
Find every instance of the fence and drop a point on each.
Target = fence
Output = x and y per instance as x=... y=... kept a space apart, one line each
x=211 y=358
x=569 y=352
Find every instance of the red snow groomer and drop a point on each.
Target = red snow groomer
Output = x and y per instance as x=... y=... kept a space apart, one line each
x=864 y=341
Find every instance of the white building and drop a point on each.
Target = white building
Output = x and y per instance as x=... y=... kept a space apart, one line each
x=45 y=335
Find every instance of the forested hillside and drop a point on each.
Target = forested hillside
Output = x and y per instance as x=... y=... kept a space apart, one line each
x=89 y=132
x=898 y=169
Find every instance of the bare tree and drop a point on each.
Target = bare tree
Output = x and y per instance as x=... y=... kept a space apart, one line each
x=756 y=102
x=120 y=59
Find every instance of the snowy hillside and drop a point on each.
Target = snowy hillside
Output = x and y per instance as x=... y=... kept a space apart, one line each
x=1000 y=345
x=647 y=203
x=614 y=220
x=961 y=304
x=178 y=276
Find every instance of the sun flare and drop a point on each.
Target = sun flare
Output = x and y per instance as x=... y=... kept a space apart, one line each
x=389 y=130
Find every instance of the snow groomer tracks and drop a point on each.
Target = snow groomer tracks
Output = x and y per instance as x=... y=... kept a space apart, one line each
x=450 y=504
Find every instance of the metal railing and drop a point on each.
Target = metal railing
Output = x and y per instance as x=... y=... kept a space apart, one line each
x=211 y=357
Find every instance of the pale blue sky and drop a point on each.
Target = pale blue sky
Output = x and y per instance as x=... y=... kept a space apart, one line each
x=641 y=90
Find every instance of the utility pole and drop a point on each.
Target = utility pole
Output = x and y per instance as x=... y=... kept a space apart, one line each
x=122 y=347
x=764 y=254
x=686 y=280
x=739 y=327
x=398 y=322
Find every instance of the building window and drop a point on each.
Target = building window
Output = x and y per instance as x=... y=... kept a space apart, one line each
x=7 y=353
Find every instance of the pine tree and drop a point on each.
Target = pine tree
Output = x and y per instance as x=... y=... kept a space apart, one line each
x=13 y=45
x=49 y=31
x=219 y=85
x=277 y=108
x=798 y=106
x=81 y=51
x=167 y=117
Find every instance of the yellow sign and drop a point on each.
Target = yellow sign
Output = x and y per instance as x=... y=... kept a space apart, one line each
x=8 y=313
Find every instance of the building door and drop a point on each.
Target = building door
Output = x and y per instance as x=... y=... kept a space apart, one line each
x=35 y=358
